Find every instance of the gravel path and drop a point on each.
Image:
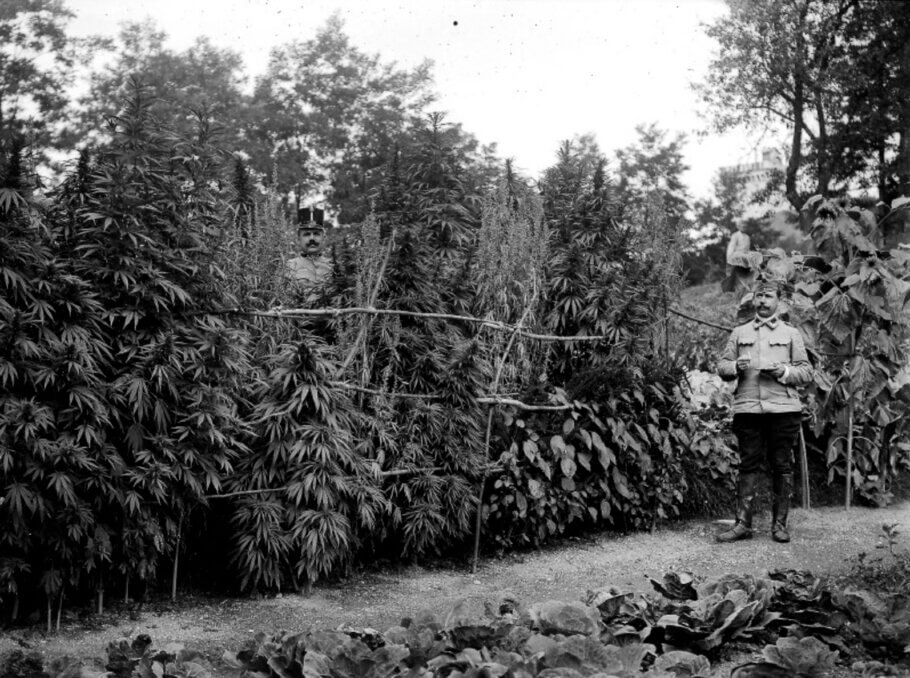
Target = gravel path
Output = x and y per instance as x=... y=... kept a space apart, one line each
x=824 y=541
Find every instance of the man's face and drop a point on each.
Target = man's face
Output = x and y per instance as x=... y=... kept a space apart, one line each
x=765 y=303
x=309 y=240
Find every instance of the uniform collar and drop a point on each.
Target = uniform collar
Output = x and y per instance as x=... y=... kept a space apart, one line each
x=770 y=322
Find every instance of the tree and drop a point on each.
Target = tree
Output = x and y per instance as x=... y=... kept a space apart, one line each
x=332 y=115
x=200 y=78
x=36 y=58
x=780 y=63
x=653 y=165
x=872 y=137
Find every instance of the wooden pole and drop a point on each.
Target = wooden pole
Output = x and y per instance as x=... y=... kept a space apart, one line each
x=804 y=468
x=849 y=485
x=848 y=498
x=59 y=609
x=478 y=527
x=176 y=560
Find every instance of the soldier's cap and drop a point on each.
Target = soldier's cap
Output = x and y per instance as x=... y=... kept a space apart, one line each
x=310 y=218
x=766 y=283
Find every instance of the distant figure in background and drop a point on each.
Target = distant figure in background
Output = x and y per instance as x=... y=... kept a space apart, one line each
x=311 y=269
x=767 y=358
x=740 y=273
x=739 y=242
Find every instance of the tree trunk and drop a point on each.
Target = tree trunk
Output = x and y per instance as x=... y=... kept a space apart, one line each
x=903 y=157
x=799 y=110
x=882 y=174
x=822 y=162
x=903 y=126
x=796 y=148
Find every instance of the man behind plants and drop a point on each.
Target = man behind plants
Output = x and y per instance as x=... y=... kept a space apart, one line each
x=769 y=359
x=312 y=268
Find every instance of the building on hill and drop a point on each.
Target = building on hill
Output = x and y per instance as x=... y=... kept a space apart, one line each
x=763 y=201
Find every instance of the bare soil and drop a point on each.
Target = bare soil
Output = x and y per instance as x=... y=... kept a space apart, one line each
x=825 y=541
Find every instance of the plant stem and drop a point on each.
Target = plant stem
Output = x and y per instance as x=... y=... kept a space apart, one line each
x=365 y=328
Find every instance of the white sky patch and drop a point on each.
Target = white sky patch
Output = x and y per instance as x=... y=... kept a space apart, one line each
x=525 y=74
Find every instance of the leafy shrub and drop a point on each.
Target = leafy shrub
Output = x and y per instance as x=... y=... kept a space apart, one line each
x=621 y=463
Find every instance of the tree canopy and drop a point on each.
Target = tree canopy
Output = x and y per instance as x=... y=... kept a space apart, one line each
x=36 y=58
x=832 y=73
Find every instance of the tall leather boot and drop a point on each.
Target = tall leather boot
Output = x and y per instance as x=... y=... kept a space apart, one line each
x=742 y=528
x=782 y=485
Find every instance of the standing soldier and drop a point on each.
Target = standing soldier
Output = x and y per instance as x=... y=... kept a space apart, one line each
x=769 y=359
x=312 y=268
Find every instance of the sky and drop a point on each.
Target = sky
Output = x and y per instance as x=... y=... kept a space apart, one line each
x=525 y=74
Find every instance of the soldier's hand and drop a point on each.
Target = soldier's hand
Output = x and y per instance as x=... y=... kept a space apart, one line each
x=743 y=363
x=776 y=370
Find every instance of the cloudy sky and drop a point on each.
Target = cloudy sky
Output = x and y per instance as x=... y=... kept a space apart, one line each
x=525 y=74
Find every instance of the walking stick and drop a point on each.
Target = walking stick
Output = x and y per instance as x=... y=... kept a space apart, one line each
x=804 y=468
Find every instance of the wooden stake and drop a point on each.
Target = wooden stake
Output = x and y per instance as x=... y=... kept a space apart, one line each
x=849 y=485
x=59 y=609
x=478 y=526
x=804 y=468
x=176 y=560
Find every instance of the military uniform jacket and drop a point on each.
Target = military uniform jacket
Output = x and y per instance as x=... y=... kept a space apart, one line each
x=310 y=271
x=766 y=341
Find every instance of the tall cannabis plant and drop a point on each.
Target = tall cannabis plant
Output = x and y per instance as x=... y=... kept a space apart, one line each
x=415 y=254
x=309 y=497
x=141 y=235
x=53 y=412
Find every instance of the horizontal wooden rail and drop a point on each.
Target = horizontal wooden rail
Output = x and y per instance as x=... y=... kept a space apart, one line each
x=492 y=324
x=488 y=399
x=699 y=320
x=334 y=312
x=382 y=474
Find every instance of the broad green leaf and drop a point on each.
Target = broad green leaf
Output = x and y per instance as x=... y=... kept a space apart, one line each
x=837 y=314
x=557 y=444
